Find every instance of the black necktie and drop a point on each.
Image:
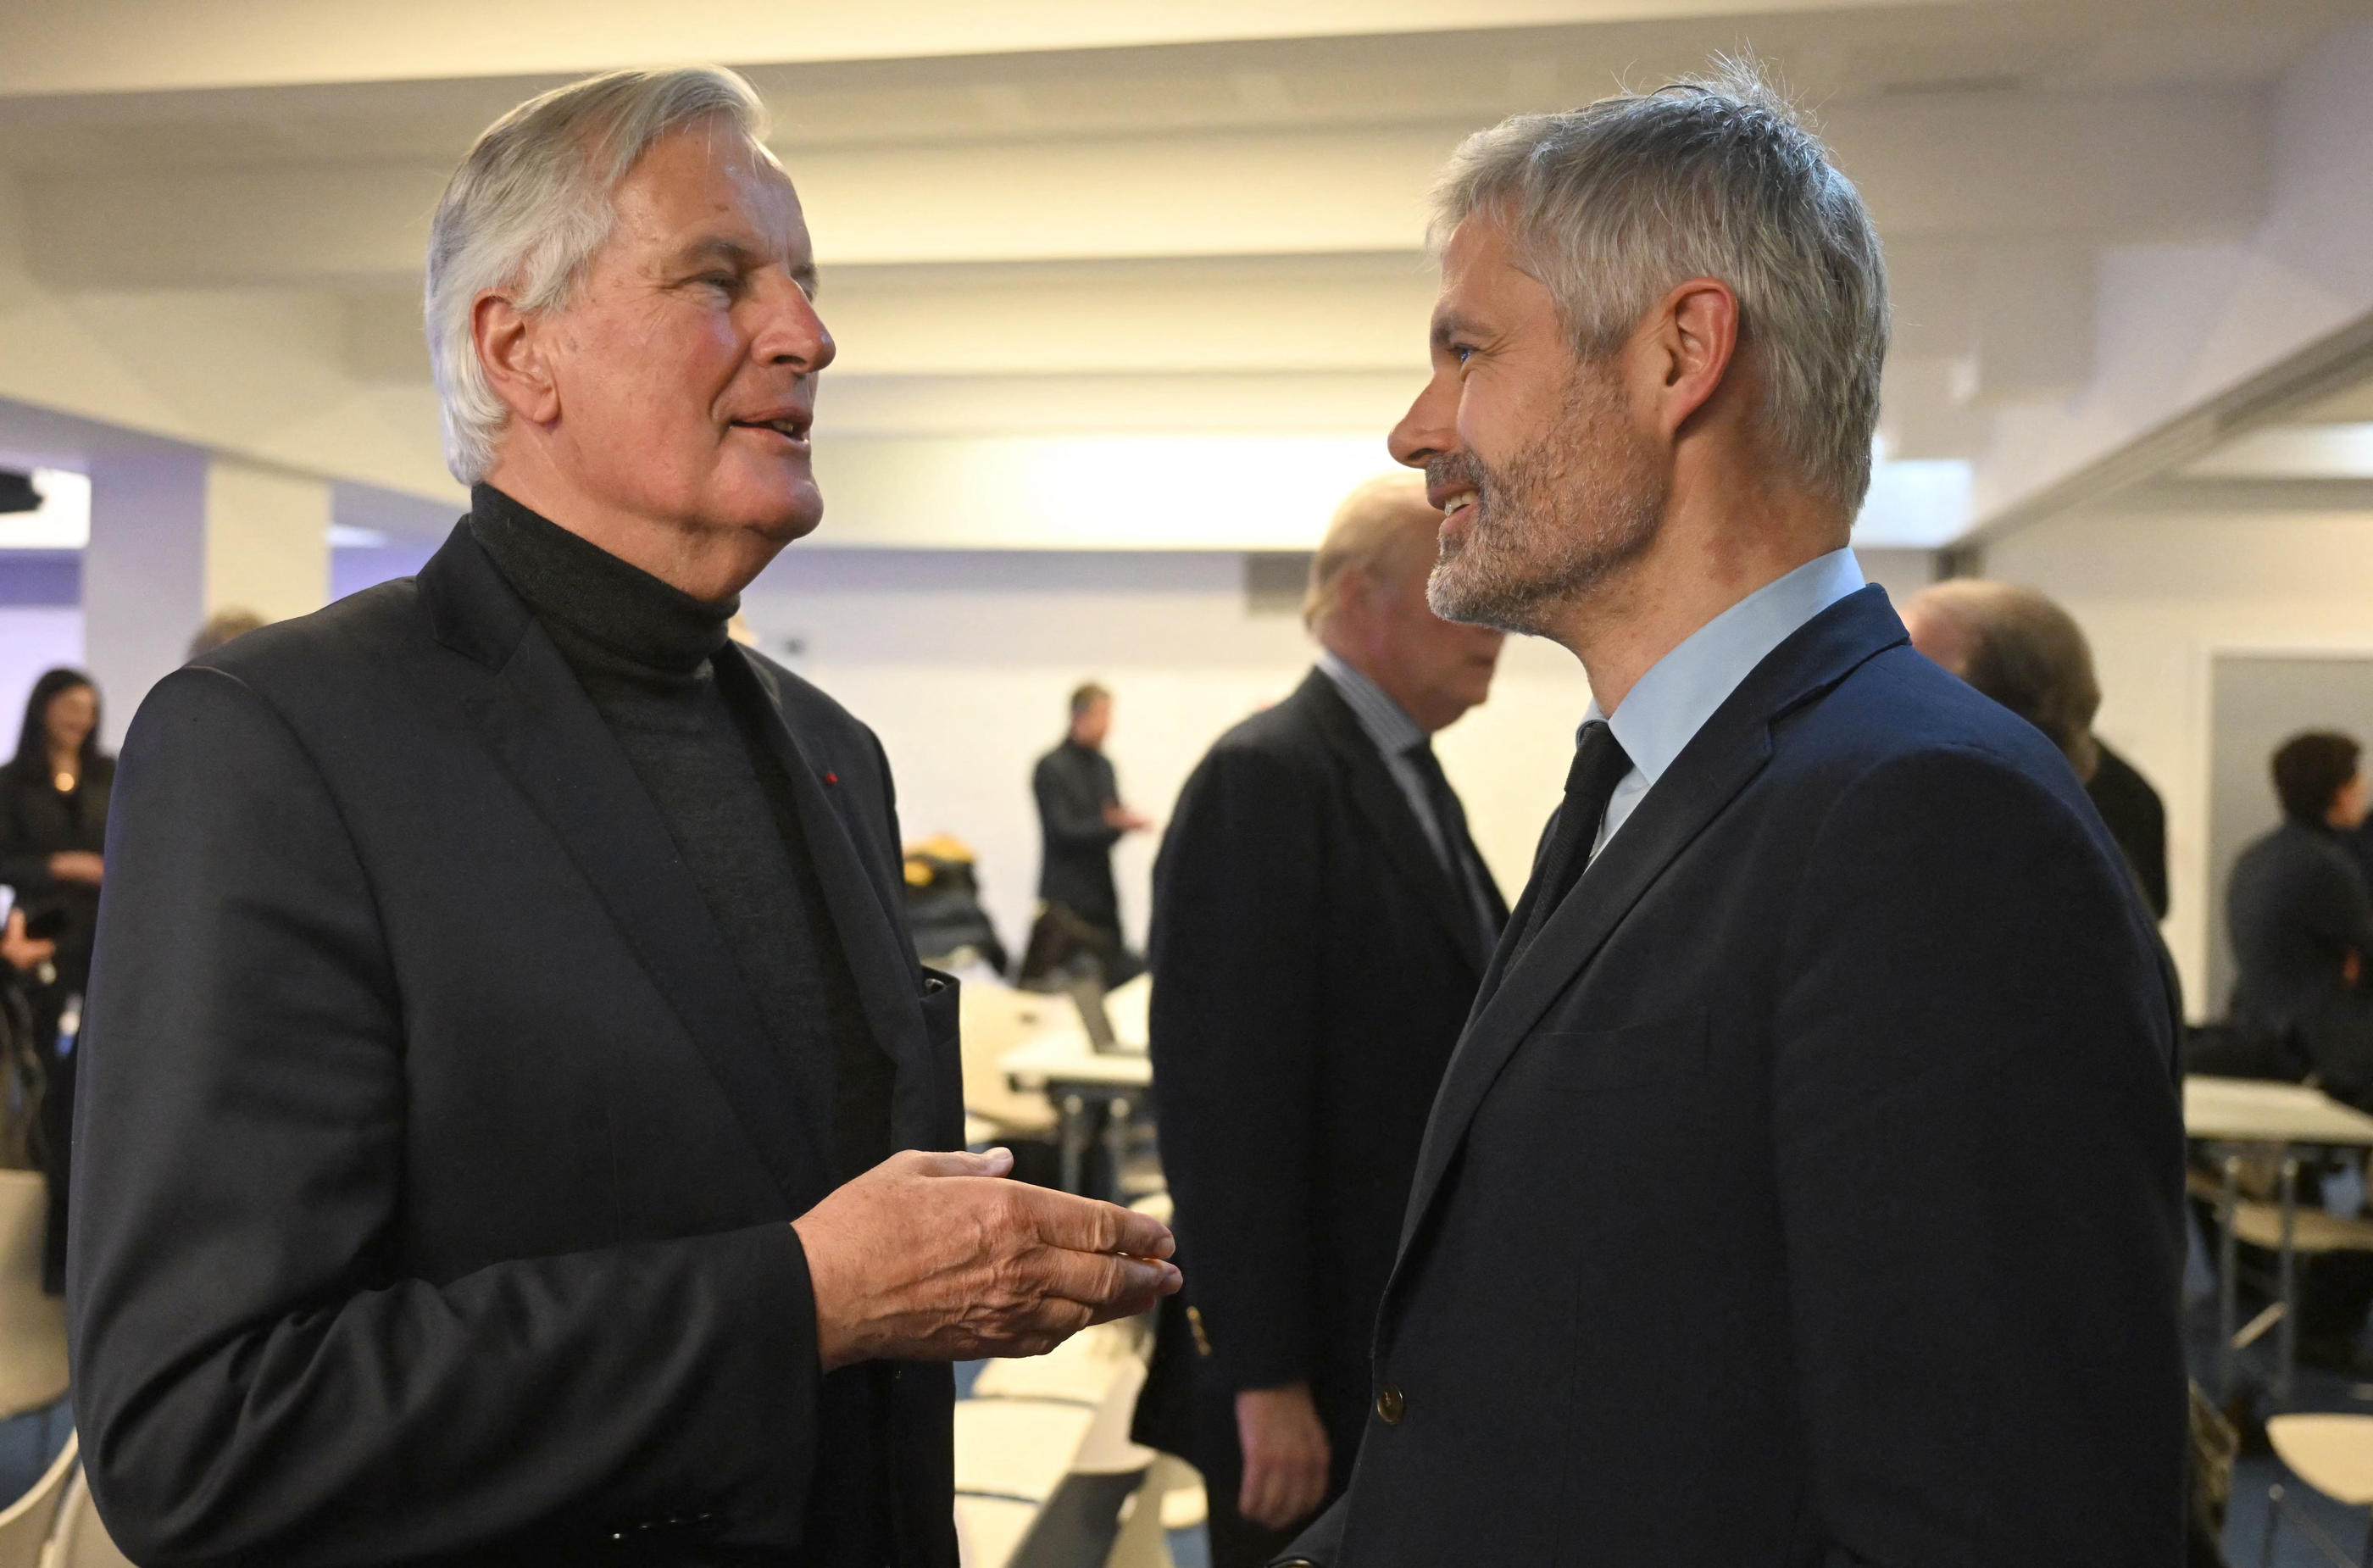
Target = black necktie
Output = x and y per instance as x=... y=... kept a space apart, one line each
x=1599 y=764
x=1450 y=827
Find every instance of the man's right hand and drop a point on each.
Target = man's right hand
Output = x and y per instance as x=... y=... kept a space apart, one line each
x=1287 y=1457
x=932 y=1257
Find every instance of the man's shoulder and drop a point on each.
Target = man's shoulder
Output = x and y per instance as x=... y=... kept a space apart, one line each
x=1898 y=706
x=1292 y=730
x=355 y=636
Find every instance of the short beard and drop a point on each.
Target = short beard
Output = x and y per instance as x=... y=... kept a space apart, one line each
x=1556 y=521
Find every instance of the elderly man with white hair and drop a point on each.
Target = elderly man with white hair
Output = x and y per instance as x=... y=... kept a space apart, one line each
x=1805 y=1190
x=1321 y=919
x=510 y=1082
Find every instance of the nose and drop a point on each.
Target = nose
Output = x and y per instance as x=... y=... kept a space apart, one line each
x=1430 y=427
x=792 y=333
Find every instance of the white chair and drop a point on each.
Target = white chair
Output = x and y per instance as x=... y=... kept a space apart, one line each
x=81 y=1542
x=993 y=1020
x=32 y=1326
x=1016 y=1449
x=2332 y=1454
x=1130 y=1008
x=24 y=1524
x=989 y=1531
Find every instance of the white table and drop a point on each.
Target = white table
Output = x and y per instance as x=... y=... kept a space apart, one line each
x=2241 y=1117
x=1076 y=1078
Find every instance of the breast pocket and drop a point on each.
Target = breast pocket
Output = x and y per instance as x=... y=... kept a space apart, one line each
x=1632 y=1057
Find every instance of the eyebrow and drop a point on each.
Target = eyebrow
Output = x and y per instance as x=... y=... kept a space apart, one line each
x=1450 y=323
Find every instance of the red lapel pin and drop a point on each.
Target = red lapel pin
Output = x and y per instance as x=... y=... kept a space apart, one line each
x=832 y=777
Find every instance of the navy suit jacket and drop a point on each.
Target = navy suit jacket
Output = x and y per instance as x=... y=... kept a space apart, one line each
x=434 y=1162
x=1809 y=1193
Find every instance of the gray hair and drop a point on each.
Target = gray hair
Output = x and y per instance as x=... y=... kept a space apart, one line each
x=1376 y=526
x=529 y=209
x=1611 y=205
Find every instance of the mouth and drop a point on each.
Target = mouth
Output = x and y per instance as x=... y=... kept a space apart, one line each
x=1456 y=502
x=791 y=425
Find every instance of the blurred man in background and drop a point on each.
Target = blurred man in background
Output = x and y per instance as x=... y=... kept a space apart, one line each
x=1079 y=819
x=1321 y=920
x=2025 y=653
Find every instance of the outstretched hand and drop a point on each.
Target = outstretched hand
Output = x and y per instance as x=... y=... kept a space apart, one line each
x=935 y=1257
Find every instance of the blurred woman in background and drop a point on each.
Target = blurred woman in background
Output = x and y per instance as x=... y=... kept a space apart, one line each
x=53 y=797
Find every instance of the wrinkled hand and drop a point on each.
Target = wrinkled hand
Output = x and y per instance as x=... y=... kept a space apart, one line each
x=932 y=1257
x=1286 y=1455
x=76 y=865
x=20 y=951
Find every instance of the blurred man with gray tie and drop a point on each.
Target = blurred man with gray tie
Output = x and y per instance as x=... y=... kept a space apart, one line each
x=1321 y=921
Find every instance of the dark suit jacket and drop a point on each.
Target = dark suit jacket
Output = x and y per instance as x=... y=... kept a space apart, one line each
x=435 y=1164
x=2136 y=819
x=1073 y=785
x=1810 y=1192
x=1313 y=966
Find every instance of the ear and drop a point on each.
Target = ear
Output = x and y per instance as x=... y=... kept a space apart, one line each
x=511 y=348
x=1687 y=350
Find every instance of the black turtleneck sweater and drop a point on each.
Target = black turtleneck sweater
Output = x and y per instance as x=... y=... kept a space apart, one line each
x=645 y=653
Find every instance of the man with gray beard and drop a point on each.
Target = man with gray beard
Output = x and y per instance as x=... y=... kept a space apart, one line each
x=1805 y=1189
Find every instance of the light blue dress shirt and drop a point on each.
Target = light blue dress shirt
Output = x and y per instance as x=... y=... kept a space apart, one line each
x=1662 y=713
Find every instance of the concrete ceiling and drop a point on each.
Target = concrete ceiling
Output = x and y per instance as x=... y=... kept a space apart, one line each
x=1073 y=218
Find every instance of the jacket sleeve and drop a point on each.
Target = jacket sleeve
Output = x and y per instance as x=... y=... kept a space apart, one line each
x=1073 y=817
x=253 y=1380
x=1236 y=1059
x=1979 y=1154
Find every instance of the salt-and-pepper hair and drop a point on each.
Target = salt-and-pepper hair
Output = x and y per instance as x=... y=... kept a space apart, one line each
x=1375 y=524
x=1612 y=205
x=529 y=208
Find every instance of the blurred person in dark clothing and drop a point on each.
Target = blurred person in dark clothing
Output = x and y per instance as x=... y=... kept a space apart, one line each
x=2025 y=653
x=1080 y=818
x=2136 y=818
x=2301 y=922
x=1321 y=922
x=2301 y=917
x=53 y=797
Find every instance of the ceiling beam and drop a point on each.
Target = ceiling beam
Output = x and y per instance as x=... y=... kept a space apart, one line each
x=2156 y=165
x=148 y=45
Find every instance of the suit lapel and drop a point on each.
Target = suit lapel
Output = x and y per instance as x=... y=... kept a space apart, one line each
x=550 y=740
x=1726 y=756
x=1377 y=796
x=864 y=907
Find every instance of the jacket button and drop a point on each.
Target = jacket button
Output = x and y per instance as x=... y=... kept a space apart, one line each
x=1390 y=1406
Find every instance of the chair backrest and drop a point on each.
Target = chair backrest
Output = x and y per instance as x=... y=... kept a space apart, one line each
x=994 y=1020
x=81 y=1540
x=32 y=1326
x=24 y=1524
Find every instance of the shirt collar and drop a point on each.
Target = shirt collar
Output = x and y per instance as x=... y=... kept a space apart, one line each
x=1667 y=707
x=1388 y=724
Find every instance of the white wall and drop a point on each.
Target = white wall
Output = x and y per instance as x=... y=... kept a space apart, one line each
x=962 y=661
x=2157 y=595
